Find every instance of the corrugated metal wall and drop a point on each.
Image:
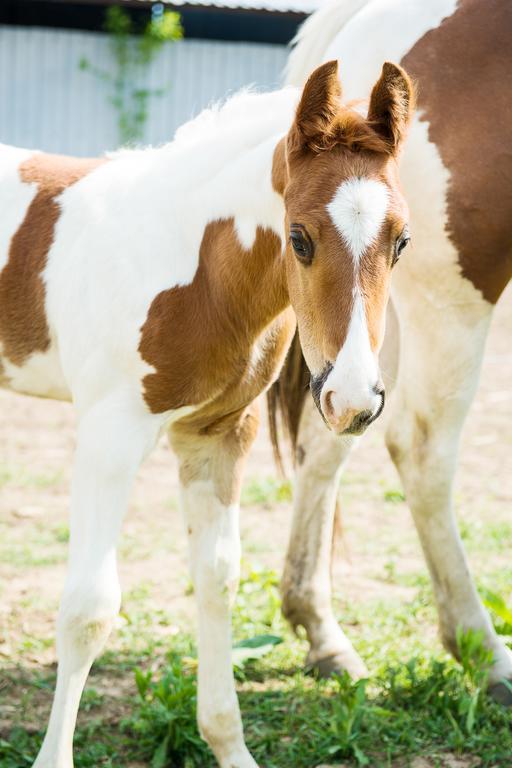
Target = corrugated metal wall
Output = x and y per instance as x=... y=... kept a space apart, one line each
x=47 y=102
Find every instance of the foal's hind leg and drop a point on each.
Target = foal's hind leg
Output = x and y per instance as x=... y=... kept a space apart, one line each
x=441 y=351
x=210 y=475
x=112 y=440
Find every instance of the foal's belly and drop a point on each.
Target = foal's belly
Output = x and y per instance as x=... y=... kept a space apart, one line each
x=40 y=375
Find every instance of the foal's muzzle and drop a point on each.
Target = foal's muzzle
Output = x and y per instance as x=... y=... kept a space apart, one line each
x=340 y=415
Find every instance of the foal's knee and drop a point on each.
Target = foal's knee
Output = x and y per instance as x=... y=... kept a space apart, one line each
x=217 y=577
x=86 y=618
x=423 y=453
x=409 y=439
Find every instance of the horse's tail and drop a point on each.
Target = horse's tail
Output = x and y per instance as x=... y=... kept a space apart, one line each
x=315 y=36
x=286 y=398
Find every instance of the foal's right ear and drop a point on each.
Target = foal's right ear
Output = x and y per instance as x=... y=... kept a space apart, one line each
x=318 y=106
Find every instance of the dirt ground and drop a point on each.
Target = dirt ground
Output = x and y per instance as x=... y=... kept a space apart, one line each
x=36 y=447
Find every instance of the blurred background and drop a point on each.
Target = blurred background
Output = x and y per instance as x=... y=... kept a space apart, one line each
x=75 y=79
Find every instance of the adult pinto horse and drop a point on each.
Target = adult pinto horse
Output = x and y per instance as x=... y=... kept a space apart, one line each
x=155 y=289
x=457 y=176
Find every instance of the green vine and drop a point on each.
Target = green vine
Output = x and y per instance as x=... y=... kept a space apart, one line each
x=131 y=55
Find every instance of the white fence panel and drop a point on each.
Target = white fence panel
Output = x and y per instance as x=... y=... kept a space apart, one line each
x=47 y=102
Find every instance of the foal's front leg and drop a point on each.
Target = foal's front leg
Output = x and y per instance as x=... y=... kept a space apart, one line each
x=112 y=440
x=306 y=582
x=210 y=469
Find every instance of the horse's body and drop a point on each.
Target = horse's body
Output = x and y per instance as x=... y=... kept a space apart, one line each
x=457 y=176
x=153 y=289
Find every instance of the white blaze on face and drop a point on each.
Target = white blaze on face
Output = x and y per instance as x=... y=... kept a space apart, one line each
x=358 y=210
x=355 y=372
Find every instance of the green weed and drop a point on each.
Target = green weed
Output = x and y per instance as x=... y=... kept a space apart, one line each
x=166 y=721
x=266 y=492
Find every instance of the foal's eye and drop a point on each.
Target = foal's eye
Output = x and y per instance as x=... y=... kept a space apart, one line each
x=400 y=244
x=301 y=243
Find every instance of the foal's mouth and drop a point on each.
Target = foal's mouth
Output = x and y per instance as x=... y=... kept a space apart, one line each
x=362 y=420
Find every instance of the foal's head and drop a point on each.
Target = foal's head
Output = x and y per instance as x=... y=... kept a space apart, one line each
x=346 y=224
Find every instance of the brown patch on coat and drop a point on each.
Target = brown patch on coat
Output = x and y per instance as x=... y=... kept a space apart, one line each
x=200 y=337
x=463 y=69
x=23 y=325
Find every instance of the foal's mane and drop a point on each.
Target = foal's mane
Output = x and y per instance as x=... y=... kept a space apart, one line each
x=245 y=119
x=352 y=130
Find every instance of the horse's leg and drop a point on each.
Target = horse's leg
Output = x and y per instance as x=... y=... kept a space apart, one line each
x=441 y=352
x=112 y=441
x=210 y=475
x=306 y=582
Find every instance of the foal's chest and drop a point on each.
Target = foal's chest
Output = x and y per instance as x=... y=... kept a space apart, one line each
x=221 y=381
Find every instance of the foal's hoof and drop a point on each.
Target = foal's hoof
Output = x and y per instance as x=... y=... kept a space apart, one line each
x=501 y=693
x=336 y=664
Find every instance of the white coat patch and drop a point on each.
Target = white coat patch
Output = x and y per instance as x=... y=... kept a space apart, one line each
x=358 y=209
x=15 y=195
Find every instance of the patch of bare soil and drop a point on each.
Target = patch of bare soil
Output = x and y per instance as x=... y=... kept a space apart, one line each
x=441 y=761
x=36 y=446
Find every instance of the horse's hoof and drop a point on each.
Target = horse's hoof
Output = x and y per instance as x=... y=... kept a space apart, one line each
x=337 y=664
x=502 y=693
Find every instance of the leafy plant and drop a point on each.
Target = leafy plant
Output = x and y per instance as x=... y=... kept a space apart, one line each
x=500 y=611
x=349 y=706
x=131 y=56
x=476 y=660
x=394 y=496
x=258 y=604
x=167 y=716
x=253 y=648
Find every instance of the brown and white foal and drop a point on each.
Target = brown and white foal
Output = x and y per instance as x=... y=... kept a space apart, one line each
x=153 y=289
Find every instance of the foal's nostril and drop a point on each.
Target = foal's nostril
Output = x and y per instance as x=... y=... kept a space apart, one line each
x=367 y=417
x=328 y=405
x=361 y=421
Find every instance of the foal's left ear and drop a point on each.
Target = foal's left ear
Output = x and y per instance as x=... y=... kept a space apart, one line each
x=392 y=104
x=318 y=106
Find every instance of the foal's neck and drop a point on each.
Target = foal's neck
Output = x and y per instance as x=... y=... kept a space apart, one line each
x=242 y=257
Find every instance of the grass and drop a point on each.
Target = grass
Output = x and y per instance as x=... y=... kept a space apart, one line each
x=418 y=702
x=266 y=492
x=139 y=705
x=21 y=477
